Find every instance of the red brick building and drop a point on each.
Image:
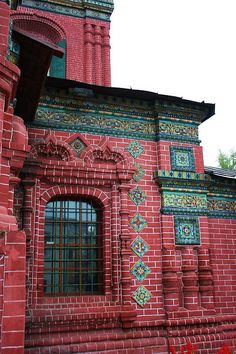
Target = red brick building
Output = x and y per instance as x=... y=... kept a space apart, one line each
x=114 y=237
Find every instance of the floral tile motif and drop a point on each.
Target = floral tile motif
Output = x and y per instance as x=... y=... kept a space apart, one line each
x=142 y=296
x=137 y=195
x=139 y=246
x=139 y=173
x=182 y=158
x=187 y=231
x=138 y=222
x=140 y=270
x=78 y=146
x=135 y=149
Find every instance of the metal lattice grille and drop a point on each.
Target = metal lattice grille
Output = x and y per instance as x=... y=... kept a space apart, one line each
x=73 y=258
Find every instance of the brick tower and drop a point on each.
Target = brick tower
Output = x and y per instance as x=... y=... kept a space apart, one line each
x=80 y=27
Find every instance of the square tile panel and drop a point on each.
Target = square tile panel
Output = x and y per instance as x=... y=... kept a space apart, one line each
x=182 y=158
x=78 y=146
x=140 y=270
x=142 y=296
x=187 y=231
x=137 y=195
x=140 y=172
x=139 y=246
x=138 y=222
x=135 y=149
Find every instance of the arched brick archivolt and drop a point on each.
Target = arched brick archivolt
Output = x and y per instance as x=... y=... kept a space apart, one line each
x=93 y=193
x=50 y=146
x=41 y=26
x=105 y=152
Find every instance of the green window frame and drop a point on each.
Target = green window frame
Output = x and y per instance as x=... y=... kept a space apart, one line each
x=73 y=250
x=58 y=65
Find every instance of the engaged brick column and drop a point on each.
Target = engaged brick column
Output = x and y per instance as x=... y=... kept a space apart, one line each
x=89 y=48
x=4 y=28
x=13 y=316
x=205 y=278
x=190 y=278
x=172 y=286
x=98 y=55
x=128 y=313
x=106 y=56
x=125 y=245
x=114 y=241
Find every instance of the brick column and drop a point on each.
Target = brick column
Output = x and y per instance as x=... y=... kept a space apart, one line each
x=13 y=315
x=114 y=243
x=125 y=245
x=98 y=55
x=205 y=278
x=128 y=314
x=190 y=278
x=89 y=49
x=4 y=28
x=106 y=57
x=172 y=285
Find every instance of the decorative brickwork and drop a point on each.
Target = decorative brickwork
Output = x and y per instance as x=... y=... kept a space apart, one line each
x=166 y=229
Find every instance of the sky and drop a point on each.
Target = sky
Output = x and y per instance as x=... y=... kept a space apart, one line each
x=184 y=48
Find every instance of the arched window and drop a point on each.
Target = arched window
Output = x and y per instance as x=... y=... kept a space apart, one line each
x=73 y=257
x=58 y=65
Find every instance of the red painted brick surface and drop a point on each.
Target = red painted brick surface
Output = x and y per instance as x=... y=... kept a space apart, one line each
x=87 y=42
x=193 y=288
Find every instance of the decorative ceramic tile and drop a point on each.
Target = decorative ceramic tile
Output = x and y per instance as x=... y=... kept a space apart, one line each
x=179 y=132
x=140 y=270
x=185 y=200
x=137 y=195
x=182 y=158
x=139 y=246
x=140 y=172
x=78 y=146
x=142 y=296
x=135 y=149
x=138 y=222
x=187 y=231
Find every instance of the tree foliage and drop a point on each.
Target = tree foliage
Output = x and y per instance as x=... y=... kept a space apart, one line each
x=227 y=161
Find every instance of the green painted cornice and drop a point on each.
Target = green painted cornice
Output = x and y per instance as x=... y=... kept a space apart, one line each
x=190 y=193
x=100 y=10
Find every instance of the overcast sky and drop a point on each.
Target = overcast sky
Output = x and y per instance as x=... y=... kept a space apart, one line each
x=184 y=48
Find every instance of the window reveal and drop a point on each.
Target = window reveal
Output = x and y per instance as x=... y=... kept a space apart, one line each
x=73 y=257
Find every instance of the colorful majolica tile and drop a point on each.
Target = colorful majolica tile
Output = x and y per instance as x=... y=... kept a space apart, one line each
x=78 y=145
x=142 y=296
x=140 y=172
x=182 y=158
x=137 y=195
x=138 y=222
x=139 y=246
x=187 y=231
x=140 y=270
x=135 y=149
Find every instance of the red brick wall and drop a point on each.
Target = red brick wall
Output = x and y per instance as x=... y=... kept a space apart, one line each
x=163 y=150
x=87 y=43
x=214 y=261
x=223 y=240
